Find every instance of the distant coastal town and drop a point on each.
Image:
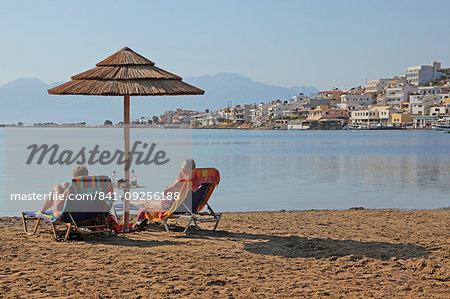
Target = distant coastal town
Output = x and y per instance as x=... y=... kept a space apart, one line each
x=418 y=99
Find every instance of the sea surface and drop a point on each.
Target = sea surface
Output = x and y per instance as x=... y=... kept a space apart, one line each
x=264 y=170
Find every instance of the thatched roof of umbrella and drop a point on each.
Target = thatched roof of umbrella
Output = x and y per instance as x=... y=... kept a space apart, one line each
x=126 y=73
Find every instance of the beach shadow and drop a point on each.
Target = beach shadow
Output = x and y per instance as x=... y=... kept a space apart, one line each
x=292 y=247
x=302 y=247
x=125 y=241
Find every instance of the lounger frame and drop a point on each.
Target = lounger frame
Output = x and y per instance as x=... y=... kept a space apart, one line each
x=95 y=223
x=198 y=217
x=103 y=225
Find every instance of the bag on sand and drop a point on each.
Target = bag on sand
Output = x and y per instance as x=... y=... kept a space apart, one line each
x=74 y=236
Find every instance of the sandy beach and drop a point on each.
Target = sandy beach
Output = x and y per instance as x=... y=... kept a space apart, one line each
x=351 y=253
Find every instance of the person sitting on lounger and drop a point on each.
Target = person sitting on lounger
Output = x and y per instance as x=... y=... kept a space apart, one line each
x=183 y=182
x=55 y=199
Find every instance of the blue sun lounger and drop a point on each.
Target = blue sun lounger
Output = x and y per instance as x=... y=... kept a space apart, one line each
x=86 y=208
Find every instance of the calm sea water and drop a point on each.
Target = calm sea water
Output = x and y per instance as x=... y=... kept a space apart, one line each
x=291 y=170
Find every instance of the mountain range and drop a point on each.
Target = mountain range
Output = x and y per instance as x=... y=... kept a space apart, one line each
x=27 y=101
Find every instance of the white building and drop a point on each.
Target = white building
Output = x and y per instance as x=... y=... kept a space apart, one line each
x=144 y=120
x=429 y=90
x=429 y=98
x=394 y=96
x=351 y=101
x=424 y=121
x=418 y=75
x=223 y=113
x=419 y=108
x=301 y=99
x=424 y=98
x=377 y=85
x=240 y=113
x=260 y=114
x=438 y=110
x=365 y=116
x=298 y=125
x=284 y=109
x=379 y=114
x=204 y=119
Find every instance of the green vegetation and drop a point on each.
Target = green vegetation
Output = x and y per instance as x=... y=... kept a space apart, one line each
x=427 y=112
x=223 y=120
x=445 y=71
x=432 y=82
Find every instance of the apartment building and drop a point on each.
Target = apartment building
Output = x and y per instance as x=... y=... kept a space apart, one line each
x=438 y=110
x=420 y=101
x=260 y=114
x=379 y=114
x=418 y=75
x=394 y=96
x=285 y=108
x=378 y=85
x=204 y=119
x=166 y=118
x=182 y=116
x=324 y=112
x=351 y=101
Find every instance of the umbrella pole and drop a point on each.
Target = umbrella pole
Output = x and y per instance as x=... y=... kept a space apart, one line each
x=126 y=136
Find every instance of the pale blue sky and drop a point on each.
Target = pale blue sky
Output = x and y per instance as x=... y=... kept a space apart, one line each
x=288 y=43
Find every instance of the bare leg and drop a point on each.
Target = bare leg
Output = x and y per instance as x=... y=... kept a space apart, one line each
x=48 y=202
x=148 y=204
x=58 y=204
x=58 y=192
x=135 y=203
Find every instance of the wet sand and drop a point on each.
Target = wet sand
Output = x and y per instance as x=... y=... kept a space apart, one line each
x=352 y=253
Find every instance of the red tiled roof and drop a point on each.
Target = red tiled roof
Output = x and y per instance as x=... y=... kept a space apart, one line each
x=332 y=92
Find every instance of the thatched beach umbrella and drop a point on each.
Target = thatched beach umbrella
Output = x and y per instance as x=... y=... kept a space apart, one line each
x=126 y=74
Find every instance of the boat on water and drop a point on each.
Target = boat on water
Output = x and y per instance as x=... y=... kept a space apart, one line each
x=372 y=127
x=386 y=128
x=441 y=127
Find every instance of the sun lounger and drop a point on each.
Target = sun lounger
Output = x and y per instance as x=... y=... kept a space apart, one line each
x=191 y=205
x=86 y=208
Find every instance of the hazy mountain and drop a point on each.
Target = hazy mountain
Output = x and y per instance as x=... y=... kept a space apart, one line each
x=224 y=87
x=26 y=100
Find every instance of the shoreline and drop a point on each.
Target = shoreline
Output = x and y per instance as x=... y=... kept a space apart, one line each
x=6 y=217
x=188 y=128
x=313 y=253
